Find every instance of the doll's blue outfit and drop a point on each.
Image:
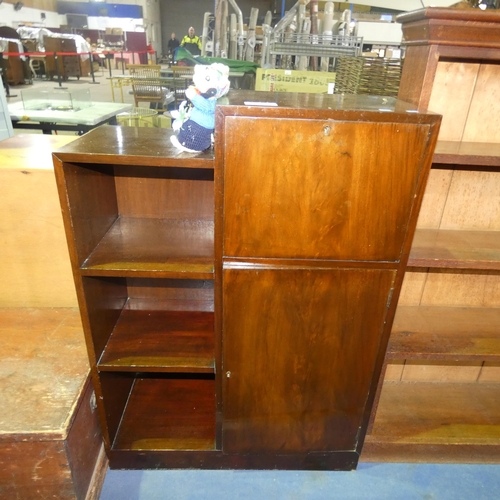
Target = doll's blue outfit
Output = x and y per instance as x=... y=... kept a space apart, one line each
x=196 y=133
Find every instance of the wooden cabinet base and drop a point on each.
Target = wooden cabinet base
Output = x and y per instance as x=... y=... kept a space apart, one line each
x=343 y=460
x=71 y=465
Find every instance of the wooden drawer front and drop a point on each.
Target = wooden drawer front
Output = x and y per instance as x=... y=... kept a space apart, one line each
x=299 y=350
x=349 y=187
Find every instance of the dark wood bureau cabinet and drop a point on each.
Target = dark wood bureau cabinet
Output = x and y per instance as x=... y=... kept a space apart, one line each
x=68 y=63
x=237 y=306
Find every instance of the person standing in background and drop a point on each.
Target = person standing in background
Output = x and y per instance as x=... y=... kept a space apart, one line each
x=192 y=42
x=173 y=43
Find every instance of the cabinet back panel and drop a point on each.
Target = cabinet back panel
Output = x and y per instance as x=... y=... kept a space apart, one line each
x=473 y=201
x=300 y=348
x=434 y=201
x=451 y=96
x=170 y=289
x=167 y=193
x=454 y=288
x=483 y=121
x=328 y=211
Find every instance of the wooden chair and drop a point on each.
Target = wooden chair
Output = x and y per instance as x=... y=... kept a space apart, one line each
x=144 y=70
x=146 y=84
x=148 y=90
x=182 y=78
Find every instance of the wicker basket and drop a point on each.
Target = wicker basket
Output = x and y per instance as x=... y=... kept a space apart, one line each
x=368 y=75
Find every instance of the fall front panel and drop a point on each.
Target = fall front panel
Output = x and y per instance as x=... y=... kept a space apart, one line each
x=321 y=189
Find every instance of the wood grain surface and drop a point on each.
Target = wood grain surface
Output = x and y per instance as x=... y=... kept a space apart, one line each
x=327 y=212
x=297 y=365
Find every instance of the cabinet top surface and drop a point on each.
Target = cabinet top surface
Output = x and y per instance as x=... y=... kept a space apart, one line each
x=150 y=146
x=132 y=145
x=450 y=14
x=322 y=107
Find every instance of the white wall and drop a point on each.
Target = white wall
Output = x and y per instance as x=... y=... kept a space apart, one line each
x=12 y=18
x=405 y=5
x=101 y=23
x=381 y=33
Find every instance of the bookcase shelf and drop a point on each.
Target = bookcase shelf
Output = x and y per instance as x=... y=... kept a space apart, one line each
x=149 y=340
x=446 y=326
x=445 y=333
x=167 y=413
x=427 y=422
x=138 y=245
x=456 y=249
x=139 y=218
x=467 y=153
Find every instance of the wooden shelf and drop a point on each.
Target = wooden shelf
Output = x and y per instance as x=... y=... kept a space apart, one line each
x=455 y=249
x=168 y=414
x=161 y=341
x=445 y=333
x=441 y=422
x=133 y=146
x=467 y=153
x=154 y=247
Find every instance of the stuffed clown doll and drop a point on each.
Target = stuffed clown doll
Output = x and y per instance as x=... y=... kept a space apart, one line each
x=195 y=124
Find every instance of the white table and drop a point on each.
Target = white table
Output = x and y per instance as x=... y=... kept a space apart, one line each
x=80 y=121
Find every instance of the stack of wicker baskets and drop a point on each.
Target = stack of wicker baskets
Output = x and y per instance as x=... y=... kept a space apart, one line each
x=367 y=75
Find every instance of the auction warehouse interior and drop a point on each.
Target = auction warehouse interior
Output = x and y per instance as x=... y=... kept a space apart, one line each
x=250 y=249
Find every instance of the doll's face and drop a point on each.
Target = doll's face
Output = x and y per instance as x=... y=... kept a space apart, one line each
x=214 y=76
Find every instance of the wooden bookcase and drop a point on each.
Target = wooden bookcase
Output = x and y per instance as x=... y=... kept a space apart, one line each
x=440 y=400
x=139 y=219
x=237 y=308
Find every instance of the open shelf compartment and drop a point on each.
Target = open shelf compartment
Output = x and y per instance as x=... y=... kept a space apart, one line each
x=445 y=333
x=483 y=154
x=150 y=246
x=456 y=249
x=162 y=412
x=148 y=339
x=436 y=422
x=139 y=220
x=151 y=324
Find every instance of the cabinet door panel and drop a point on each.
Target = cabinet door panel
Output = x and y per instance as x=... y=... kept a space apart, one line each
x=299 y=352
x=319 y=188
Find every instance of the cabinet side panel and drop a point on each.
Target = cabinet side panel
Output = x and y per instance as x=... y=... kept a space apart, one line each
x=417 y=86
x=104 y=301
x=300 y=349
x=116 y=389
x=32 y=470
x=328 y=212
x=93 y=207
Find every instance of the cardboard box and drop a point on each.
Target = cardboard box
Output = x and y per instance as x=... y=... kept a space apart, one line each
x=284 y=80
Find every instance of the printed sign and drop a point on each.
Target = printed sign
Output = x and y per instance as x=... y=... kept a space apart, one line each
x=284 y=80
